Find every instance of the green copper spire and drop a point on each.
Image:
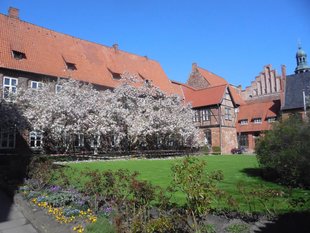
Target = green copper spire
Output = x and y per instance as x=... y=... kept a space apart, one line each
x=301 y=58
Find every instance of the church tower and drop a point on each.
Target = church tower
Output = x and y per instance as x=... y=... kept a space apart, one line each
x=301 y=58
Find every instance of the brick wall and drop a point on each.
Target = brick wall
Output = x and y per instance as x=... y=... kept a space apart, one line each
x=268 y=82
x=229 y=139
x=196 y=80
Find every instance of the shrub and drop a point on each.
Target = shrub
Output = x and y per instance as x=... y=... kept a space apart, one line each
x=40 y=172
x=216 y=150
x=205 y=150
x=101 y=226
x=61 y=198
x=199 y=187
x=284 y=152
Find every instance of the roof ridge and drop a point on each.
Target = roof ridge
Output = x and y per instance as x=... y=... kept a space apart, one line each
x=211 y=72
x=212 y=87
x=184 y=84
x=75 y=37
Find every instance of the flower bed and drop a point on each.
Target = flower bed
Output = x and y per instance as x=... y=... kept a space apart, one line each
x=65 y=206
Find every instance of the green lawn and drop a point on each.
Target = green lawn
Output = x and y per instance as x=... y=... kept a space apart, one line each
x=233 y=166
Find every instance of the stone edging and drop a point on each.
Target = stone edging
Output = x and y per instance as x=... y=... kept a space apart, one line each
x=38 y=218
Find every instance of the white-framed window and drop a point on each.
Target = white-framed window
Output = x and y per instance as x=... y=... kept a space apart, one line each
x=205 y=114
x=95 y=141
x=196 y=116
x=244 y=122
x=79 y=140
x=7 y=139
x=9 y=87
x=36 y=85
x=257 y=120
x=271 y=119
x=227 y=114
x=35 y=139
x=58 y=88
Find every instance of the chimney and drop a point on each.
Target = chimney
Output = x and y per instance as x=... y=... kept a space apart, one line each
x=194 y=66
x=115 y=46
x=283 y=71
x=14 y=12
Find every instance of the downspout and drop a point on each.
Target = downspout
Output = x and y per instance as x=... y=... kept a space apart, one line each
x=305 y=105
x=220 y=118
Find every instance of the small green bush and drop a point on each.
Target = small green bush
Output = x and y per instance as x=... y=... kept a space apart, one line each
x=200 y=188
x=216 y=150
x=284 y=152
x=40 y=170
x=101 y=226
x=205 y=150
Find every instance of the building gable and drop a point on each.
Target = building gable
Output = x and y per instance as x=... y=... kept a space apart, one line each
x=200 y=78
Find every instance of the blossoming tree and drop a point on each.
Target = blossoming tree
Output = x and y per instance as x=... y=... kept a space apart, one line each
x=135 y=115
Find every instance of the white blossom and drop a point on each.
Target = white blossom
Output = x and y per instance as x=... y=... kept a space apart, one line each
x=135 y=115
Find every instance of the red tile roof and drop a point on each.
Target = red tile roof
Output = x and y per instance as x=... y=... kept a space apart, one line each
x=261 y=110
x=178 y=88
x=207 y=96
x=204 y=97
x=213 y=79
x=47 y=51
x=236 y=95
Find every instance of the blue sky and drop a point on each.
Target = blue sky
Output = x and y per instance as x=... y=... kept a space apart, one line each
x=233 y=39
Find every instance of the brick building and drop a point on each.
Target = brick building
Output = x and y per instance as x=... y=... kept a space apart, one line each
x=261 y=108
x=31 y=55
x=254 y=118
x=266 y=84
x=215 y=103
x=228 y=116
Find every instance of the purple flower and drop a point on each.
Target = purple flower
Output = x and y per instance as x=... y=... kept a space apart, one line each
x=55 y=188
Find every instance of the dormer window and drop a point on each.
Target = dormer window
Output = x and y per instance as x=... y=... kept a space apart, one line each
x=271 y=119
x=257 y=120
x=18 y=55
x=244 y=122
x=71 y=66
x=116 y=76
